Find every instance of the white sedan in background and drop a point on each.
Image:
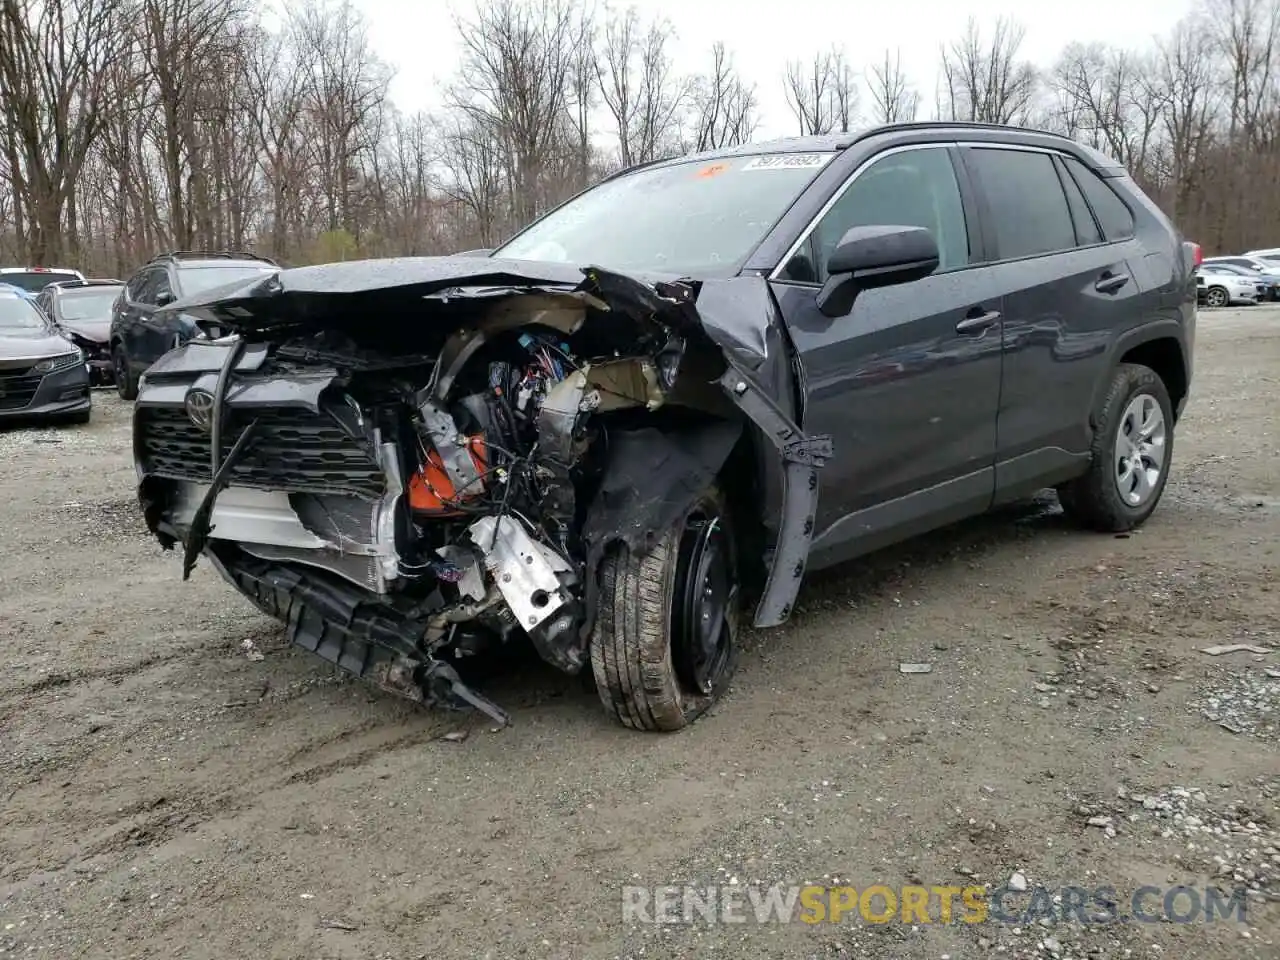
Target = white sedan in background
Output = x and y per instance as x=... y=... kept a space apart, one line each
x=1217 y=287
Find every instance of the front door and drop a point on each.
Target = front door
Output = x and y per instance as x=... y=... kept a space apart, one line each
x=908 y=382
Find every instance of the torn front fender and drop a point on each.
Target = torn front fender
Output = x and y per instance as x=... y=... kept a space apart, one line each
x=737 y=315
x=803 y=456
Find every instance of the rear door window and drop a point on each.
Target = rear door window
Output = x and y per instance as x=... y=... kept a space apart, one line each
x=1028 y=207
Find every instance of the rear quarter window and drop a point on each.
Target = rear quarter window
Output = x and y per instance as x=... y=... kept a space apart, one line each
x=1112 y=212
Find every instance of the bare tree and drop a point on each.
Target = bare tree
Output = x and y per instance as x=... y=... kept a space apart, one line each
x=823 y=93
x=639 y=86
x=722 y=106
x=517 y=60
x=1188 y=74
x=987 y=82
x=55 y=59
x=1110 y=98
x=582 y=92
x=1248 y=34
x=895 y=100
x=343 y=97
x=134 y=125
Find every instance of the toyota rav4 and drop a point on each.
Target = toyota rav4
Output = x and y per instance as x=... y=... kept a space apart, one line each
x=677 y=391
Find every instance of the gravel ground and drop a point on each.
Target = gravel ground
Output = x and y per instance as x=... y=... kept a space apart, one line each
x=169 y=790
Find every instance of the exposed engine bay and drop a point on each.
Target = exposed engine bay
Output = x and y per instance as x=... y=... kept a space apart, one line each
x=406 y=492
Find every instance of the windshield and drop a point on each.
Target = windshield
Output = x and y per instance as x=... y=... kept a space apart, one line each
x=194 y=280
x=694 y=219
x=36 y=280
x=19 y=314
x=93 y=303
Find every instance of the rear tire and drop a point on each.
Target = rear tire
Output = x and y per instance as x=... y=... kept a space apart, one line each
x=126 y=379
x=664 y=647
x=1131 y=455
x=1216 y=297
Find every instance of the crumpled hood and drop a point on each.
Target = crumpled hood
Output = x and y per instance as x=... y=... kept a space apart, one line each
x=96 y=330
x=361 y=292
x=312 y=296
x=33 y=344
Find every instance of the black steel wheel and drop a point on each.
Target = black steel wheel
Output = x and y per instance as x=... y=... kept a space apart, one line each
x=706 y=588
x=664 y=647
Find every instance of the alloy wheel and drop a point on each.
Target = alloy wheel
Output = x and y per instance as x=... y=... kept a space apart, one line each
x=1140 y=450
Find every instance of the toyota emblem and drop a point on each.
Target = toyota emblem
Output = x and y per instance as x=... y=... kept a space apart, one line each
x=200 y=409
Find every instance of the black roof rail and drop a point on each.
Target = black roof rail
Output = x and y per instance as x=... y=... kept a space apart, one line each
x=951 y=125
x=211 y=255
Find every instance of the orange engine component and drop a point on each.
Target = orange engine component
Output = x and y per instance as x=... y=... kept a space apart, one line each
x=432 y=492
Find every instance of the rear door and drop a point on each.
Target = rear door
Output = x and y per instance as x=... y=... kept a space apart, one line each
x=1067 y=286
x=907 y=383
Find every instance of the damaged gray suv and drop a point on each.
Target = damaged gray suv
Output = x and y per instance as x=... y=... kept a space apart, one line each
x=608 y=434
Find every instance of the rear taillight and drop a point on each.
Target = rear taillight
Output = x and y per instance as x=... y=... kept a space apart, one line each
x=1197 y=255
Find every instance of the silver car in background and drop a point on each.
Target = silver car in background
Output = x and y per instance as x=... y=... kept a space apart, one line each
x=1218 y=286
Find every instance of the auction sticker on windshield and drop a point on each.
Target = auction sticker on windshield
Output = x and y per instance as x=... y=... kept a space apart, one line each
x=788 y=161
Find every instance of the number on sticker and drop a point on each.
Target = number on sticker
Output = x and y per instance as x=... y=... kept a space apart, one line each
x=787 y=161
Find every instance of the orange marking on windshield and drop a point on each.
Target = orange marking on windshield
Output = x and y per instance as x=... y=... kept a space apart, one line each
x=714 y=170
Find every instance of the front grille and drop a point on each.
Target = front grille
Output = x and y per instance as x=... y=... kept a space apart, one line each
x=18 y=388
x=292 y=450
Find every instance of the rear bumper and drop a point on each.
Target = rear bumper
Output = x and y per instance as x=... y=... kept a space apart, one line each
x=61 y=392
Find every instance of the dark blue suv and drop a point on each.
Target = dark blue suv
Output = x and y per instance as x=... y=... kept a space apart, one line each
x=140 y=335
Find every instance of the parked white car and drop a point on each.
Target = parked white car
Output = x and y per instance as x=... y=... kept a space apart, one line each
x=1218 y=287
x=1249 y=262
x=1271 y=254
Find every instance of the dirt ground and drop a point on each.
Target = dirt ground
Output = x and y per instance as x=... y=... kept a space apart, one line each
x=165 y=793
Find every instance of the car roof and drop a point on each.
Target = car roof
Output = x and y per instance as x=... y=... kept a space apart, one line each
x=837 y=142
x=188 y=263
x=210 y=258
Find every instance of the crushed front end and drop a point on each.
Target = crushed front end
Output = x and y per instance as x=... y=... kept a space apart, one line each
x=407 y=473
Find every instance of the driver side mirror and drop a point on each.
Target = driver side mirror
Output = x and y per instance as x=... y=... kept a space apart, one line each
x=875 y=256
x=164 y=298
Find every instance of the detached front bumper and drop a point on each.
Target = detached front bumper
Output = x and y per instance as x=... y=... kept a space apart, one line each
x=24 y=394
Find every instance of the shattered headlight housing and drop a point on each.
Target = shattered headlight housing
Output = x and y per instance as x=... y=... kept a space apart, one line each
x=61 y=362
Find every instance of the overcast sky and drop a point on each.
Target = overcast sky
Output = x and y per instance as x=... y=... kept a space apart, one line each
x=418 y=39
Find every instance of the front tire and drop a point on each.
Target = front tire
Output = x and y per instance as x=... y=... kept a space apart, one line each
x=126 y=379
x=664 y=646
x=1131 y=454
